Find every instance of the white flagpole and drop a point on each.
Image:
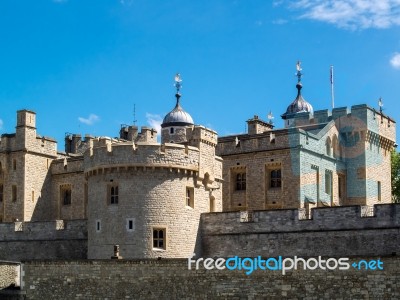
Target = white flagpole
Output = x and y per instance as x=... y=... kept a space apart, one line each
x=332 y=94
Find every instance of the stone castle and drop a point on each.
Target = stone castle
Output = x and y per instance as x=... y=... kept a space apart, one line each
x=152 y=198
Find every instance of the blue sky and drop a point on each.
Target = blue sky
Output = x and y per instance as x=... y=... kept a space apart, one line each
x=82 y=65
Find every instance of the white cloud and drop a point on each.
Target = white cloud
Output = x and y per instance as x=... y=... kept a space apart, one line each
x=351 y=14
x=395 y=61
x=279 y=22
x=1 y=124
x=154 y=121
x=89 y=121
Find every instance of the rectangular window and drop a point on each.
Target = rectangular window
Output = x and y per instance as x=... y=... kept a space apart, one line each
x=33 y=196
x=113 y=194
x=65 y=194
x=328 y=182
x=1 y=192
x=190 y=197
x=379 y=191
x=14 y=164
x=129 y=224
x=241 y=181
x=159 y=238
x=276 y=178
x=98 y=226
x=14 y=193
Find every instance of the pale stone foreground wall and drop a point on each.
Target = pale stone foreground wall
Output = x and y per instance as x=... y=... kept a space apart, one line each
x=9 y=274
x=332 y=231
x=171 y=279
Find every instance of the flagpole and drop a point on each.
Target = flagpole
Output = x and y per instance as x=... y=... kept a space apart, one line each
x=332 y=93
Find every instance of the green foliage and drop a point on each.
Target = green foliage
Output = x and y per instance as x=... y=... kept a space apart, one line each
x=395 y=161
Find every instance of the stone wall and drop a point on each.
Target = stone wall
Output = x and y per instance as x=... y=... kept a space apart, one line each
x=171 y=279
x=69 y=173
x=43 y=240
x=334 y=231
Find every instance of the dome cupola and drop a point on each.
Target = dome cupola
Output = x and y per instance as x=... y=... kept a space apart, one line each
x=178 y=116
x=299 y=104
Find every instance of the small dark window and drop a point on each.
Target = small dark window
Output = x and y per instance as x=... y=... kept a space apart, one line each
x=14 y=193
x=379 y=191
x=1 y=192
x=130 y=224
x=14 y=164
x=189 y=197
x=159 y=238
x=171 y=130
x=241 y=181
x=65 y=192
x=98 y=226
x=276 y=178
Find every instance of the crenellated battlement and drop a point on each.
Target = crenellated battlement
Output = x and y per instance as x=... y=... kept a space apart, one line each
x=357 y=118
x=109 y=153
x=290 y=220
x=332 y=231
x=67 y=165
x=51 y=230
x=204 y=135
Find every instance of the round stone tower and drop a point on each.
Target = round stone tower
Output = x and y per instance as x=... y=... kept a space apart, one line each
x=147 y=197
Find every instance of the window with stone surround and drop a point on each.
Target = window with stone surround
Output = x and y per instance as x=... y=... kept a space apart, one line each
x=14 y=193
x=241 y=181
x=190 y=197
x=65 y=194
x=159 y=238
x=328 y=182
x=328 y=146
x=14 y=164
x=113 y=193
x=276 y=178
x=130 y=225
x=98 y=226
x=1 y=192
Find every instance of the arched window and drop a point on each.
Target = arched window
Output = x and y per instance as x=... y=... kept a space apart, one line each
x=328 y=146
x=335 y=147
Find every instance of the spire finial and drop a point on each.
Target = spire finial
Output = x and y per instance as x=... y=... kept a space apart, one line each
x=178 y=86
x=270 y=117
x=299 y=69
